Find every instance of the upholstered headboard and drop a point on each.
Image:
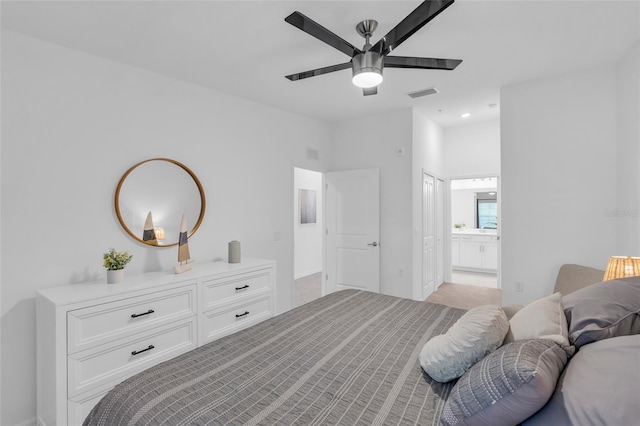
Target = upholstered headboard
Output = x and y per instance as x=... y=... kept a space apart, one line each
x=574 y=277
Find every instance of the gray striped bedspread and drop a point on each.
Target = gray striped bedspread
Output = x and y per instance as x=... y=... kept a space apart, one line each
x=348 y=358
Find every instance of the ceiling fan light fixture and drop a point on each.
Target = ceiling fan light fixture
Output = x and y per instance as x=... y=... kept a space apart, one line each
x=367 y=63
x=367 y=79
x=367 y=69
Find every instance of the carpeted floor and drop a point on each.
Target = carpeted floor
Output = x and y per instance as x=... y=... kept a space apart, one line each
x=465 y=296
x=307 y=289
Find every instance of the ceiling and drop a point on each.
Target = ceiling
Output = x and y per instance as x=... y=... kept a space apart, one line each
x=245 y=48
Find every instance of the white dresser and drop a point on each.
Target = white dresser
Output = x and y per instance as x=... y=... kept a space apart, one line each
x=91 y=336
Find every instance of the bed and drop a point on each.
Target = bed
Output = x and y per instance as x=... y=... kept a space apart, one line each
x=348 y=358
x=355 y=357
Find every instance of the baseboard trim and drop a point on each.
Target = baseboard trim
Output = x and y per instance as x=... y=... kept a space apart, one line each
x=306 y=274
x=475 y=270
x=31 y=422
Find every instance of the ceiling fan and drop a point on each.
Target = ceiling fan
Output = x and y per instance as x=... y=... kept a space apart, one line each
x=367 y=63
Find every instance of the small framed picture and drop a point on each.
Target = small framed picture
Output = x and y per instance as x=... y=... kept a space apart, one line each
x=307 y=206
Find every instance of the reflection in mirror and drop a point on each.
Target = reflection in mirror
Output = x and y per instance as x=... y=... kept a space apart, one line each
x=474 y=203
x=151 y=198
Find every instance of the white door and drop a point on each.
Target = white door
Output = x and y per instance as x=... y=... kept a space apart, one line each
x=428 y=236
x=353 y=230
x=439 y=232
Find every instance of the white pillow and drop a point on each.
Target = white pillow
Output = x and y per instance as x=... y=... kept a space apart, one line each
x=477 y=333
x=541 y=319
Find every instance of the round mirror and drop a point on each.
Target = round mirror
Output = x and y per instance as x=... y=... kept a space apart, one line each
x=151 y=198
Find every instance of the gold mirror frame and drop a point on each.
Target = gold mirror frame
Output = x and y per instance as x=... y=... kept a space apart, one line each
x=183 y=167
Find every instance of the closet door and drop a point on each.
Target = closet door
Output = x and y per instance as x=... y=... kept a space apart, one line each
x=439 y=232
x=428 y=235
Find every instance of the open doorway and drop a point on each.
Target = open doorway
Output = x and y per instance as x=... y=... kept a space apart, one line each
x=308 y=238
x=475 y=236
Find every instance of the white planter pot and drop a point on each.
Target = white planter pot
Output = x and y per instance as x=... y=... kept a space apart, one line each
x=115 y=276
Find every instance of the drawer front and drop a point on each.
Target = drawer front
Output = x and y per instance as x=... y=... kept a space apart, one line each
x=100 y=324
x=112 y=363
x=221 y=292
x=220 y=322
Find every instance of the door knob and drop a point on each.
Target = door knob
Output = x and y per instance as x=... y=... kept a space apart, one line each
x=374 y=244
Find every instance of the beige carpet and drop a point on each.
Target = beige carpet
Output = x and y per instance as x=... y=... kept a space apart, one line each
x=465 y=296
x=307 y=289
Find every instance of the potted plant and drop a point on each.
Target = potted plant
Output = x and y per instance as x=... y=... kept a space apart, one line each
x=459 y=225
x=115 y=262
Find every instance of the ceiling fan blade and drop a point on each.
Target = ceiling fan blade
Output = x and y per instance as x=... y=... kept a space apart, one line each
x=319 y=71
x=409 y=25
x=370 y=91
x=421 y=63
x=311 y=27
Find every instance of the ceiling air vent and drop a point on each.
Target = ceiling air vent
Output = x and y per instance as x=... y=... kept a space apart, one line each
x=424 y=92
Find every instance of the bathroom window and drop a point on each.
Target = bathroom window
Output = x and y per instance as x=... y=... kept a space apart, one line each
x=486 y=210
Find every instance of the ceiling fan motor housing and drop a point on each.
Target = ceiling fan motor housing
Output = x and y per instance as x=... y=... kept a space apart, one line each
x=368 y=62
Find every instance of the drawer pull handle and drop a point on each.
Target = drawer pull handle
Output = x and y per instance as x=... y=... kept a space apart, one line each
x=241 y=315
x=242 y=288
x=144 y=350
x=150 y=311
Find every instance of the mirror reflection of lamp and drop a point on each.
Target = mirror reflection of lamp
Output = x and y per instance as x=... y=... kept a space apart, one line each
x=159 y=233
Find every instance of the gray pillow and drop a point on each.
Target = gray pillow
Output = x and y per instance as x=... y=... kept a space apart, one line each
x=476 y=333
x=603 y=310
x=600 y=386
x=507 y=386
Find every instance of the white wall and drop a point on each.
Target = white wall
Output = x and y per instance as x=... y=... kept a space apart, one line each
x=373 y=142
x=558 y=161
x=71 y=125
x=428 y=156
x=472 y=149
x=626 y=211
x=307 y=237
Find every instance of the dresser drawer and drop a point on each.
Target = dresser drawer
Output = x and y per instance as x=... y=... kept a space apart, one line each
x=108 y=322
x=224 y=291
x=220 y=322
x=109 y=364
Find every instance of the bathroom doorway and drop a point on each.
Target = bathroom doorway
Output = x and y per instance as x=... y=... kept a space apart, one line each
x=308 y=245
x=475 y=231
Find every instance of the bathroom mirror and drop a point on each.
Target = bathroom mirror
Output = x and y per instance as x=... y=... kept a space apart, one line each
x=166 y=189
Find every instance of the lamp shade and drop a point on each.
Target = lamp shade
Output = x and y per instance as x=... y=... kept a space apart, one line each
x=621 y=267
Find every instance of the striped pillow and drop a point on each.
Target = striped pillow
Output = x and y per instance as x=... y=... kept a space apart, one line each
x=507 y=386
